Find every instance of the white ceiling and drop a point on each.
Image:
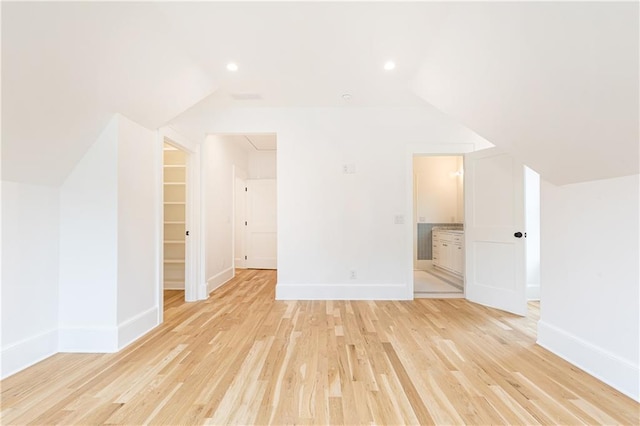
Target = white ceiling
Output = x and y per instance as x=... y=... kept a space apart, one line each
x=308 y=53
x=554 y=82
x=253 y=142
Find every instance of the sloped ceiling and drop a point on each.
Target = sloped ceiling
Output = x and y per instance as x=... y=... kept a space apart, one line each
x=556 y=83
x=68 y=67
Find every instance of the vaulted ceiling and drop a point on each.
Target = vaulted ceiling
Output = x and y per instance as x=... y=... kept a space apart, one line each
x=555 y=83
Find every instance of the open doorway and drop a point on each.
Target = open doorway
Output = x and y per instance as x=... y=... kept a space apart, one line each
x=255 y=203
x=438 y=221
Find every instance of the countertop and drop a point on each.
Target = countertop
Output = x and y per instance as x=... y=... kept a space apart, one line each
x=452 y=230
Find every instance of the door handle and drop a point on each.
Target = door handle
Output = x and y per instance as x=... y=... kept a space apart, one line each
x=518 y=235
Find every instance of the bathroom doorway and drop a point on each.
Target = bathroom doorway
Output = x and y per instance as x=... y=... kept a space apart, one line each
x=438 y=226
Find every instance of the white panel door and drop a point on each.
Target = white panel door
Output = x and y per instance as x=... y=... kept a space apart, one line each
x=494 y=231
x=261 y=224
x=239 y=220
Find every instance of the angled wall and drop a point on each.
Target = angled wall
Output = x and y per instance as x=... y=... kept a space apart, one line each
x=555 y=83
x=30 y=245
x=89 y=249
x=590 y=291
x=108 y=244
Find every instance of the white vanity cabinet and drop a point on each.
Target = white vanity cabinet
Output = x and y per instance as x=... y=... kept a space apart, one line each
x=448 y=250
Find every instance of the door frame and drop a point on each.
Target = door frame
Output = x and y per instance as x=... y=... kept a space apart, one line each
x=419 y=150
x=237 y=173
x=193 y=214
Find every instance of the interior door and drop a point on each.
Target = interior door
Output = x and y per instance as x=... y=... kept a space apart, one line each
x=494 y=231
x=240 y=219
x=261 y=224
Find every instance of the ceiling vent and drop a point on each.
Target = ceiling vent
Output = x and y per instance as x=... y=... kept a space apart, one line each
x=246 y=96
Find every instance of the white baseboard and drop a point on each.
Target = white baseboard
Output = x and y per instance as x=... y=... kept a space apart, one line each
x=601 y=364
x=137 y=326
x=533 y=291
x=219 y=279
x=88 y=340
x=20 y=355
x=342 y=292
x=171 y=286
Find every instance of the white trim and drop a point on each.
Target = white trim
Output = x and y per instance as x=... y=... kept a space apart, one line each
x=613 y=370
x=533 y=291
x=137 y=326
x=194 y=252
x=192 y=267
x=219 y=279
x=159 y=196
x=27 y=352
x=88 y=340
x=342 y=292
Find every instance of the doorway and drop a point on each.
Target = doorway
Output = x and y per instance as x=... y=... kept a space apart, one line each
x=174 y=200
x=253 y=160
x=438 y=226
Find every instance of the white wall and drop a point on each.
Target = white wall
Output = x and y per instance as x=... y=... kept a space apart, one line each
x=89 y=248
x=138 y=183
x=437 y=189
x=590 y=275
x=262 y=164
x=219 y=158
x=330 y=222
x=460 y=190
x=30 y=240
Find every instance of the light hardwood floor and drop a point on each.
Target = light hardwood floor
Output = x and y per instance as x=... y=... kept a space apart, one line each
x=242 y=358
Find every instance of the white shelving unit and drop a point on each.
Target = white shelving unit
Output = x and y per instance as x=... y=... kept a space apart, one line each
x=174 y=196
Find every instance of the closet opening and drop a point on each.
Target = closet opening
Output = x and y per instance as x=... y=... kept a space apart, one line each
x=175 y=229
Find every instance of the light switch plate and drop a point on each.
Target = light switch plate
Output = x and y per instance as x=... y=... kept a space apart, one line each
x=349 y=168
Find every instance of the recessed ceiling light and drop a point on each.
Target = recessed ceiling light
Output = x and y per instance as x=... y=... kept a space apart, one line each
x=389 y=65
x=346 y=97
x=231 y=66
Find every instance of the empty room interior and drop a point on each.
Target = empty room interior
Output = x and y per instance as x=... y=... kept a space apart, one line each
x=322 y=213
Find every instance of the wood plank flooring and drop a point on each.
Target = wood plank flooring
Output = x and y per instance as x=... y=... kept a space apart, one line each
x=242 y=358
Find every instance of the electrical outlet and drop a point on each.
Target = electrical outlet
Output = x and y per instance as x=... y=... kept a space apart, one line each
x=398 y=219
x=352 y=274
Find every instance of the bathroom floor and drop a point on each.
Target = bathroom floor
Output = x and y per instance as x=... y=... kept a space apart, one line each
x=434 y=282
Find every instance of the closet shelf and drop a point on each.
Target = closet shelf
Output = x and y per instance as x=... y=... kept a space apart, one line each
x=174 y=183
